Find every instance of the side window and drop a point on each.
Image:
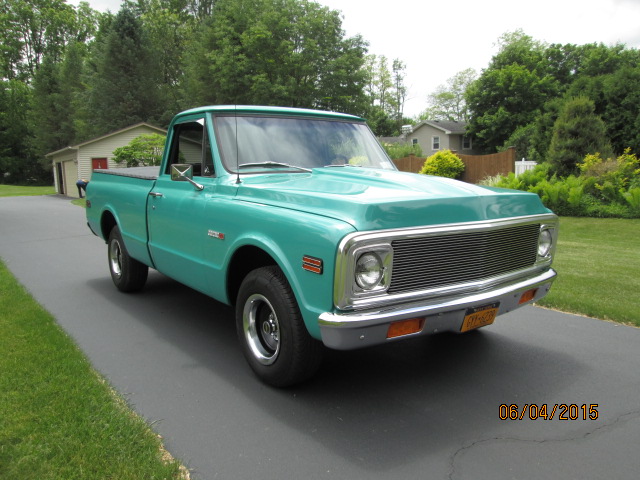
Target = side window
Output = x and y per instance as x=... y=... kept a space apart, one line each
x=435 y=143
x=190 y=145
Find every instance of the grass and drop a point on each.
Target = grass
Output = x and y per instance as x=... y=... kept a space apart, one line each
x=21 y=191
x=58 y=418
x=598 y=264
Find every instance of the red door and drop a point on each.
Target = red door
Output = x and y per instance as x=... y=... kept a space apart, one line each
x=99 y=163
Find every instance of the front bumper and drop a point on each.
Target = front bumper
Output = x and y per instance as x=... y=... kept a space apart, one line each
x=351 y=330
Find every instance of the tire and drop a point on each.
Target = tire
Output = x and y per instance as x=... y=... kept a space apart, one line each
x=274 y=339
x=128 y=274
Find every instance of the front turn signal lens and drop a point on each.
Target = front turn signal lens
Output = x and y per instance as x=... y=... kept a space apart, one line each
x=528 y=296
x=405 y=327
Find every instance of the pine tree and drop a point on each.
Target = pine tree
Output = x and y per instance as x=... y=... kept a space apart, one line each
x=123 y=90
x=578 y=131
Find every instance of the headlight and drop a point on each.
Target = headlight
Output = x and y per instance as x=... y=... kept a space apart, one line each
x=369 y=271
x=545 y=241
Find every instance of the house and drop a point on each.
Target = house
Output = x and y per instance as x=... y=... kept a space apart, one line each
x=434 y=135
x=76 y=162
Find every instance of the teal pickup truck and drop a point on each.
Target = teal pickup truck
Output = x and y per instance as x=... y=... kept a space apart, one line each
x=300 y=220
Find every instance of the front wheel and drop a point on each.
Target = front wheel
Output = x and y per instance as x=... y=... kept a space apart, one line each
x=128 y=274
x=271 y=331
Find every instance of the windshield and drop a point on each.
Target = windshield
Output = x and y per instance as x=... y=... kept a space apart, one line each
x=296 y=144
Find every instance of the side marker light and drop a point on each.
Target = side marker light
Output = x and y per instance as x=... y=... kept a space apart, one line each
x=405 y=327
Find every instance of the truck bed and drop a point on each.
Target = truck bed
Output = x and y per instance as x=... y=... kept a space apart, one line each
x=144 y=173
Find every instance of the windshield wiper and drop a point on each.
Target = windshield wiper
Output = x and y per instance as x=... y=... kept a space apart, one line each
x=341 y=165
x=273 y=165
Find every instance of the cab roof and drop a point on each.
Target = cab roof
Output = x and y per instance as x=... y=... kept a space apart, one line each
x=266 y=110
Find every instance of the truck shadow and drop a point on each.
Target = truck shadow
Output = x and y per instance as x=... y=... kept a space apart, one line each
x=379 y=407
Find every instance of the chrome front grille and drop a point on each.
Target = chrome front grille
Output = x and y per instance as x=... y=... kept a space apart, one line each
x=446 y=259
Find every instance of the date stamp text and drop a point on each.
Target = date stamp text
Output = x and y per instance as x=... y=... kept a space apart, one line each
x=543 y=411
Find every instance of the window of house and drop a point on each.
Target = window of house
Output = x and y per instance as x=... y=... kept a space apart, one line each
x=466 y=143
x=435 y=143
x=414 y=141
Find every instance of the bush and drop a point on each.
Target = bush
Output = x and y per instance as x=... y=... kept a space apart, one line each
x=444 y=163
x=402 y=150
x=145 y=150
x=605 y=187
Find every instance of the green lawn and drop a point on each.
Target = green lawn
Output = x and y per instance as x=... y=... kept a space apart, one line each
x=598 y=264
x=58 y=418
x=19 y=191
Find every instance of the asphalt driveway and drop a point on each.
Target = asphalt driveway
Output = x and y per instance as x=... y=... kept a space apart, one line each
x=424 y=409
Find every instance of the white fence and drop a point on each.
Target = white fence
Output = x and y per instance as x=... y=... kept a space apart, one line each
x=524 y=165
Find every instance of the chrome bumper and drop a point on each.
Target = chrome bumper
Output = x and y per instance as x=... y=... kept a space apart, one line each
x=351 y=330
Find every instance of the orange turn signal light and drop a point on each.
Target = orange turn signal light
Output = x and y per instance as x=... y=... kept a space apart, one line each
x=528 y=296
x=405 y=327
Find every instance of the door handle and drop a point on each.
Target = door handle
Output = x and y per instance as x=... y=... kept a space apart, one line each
x=156 y=194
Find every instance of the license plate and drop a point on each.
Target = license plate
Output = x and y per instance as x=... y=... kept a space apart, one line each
x=479 y=317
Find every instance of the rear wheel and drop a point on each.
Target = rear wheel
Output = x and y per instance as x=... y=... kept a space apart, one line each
x=128 y=274
x=270 y=328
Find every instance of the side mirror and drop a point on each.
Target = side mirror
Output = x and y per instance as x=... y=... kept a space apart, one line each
x=183 y=172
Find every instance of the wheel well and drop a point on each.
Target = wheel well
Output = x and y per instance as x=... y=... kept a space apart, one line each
x=107 y=222
x=244 y=261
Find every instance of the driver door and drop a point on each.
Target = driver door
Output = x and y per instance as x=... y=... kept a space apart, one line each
x=176 y=209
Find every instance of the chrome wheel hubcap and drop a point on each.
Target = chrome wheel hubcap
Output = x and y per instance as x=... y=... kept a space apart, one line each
x=115 y=258
x=261 y=329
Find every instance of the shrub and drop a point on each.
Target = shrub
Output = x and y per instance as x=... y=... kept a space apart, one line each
x=605 y=188
x=444 y=163
x=402 y=150
x=633 y=198
x=610 y=179
x=141 y=151
x=577 y=132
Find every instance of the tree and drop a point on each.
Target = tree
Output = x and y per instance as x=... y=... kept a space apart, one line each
x=521 y=49
x=448 y=101
x=44 y=108
x=621 y=108
x=145 y=150
x=18 y=164
x=124 y=87
x=71 y=89
x=277 y=52
x=576 y=133
x=169 y=32
x=400 y=90
x=510 y=93
x=502 y=100
x=384 y=85
x=31 y=29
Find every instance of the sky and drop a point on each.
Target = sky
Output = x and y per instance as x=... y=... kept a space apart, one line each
x=437 y=39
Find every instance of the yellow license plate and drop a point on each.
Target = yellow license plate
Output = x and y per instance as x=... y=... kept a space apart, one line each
x=479 y=317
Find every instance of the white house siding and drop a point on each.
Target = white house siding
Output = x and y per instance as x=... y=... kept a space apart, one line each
x=76 y=161
x=105 y=147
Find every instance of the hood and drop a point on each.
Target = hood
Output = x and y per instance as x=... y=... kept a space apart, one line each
x=371 y=199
